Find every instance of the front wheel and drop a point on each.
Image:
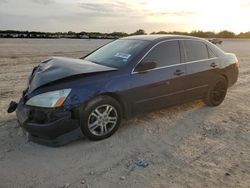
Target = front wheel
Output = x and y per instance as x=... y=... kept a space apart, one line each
x=101 y=118
x=216 y=92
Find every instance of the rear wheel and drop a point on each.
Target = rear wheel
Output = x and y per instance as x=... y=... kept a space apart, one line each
x=216 y=92
x=101 y=118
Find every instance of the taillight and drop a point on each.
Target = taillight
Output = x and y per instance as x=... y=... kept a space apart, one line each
x=238 y=64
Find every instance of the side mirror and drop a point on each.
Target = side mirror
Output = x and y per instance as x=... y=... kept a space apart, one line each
x=144 y=66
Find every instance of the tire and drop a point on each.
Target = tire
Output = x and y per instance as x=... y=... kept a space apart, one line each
x=217 y=92
x=101 y=118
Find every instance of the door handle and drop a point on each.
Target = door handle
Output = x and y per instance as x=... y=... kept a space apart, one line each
x=213 y=65
x=178 y=72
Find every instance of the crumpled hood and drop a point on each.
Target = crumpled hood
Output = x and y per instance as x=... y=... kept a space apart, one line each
x=57 y=68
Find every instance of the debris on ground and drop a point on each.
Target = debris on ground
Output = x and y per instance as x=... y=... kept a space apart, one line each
x=141 y=163
x=122 y=178
x=83 y=181
x=65 y=185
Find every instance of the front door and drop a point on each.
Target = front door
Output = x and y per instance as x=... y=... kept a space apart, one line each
x=162 y=85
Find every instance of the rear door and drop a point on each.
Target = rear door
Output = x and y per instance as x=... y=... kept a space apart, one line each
x=162 y=85
x=202 y=67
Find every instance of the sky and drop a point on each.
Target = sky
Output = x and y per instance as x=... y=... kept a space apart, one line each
x=125 y=15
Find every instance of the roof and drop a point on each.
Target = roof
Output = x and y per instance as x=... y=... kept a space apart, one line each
x=159 y=37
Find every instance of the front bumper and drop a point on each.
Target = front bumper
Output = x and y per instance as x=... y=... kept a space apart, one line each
x=54 y=127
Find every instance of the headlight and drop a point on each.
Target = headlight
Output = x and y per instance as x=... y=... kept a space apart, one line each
x=49 y=99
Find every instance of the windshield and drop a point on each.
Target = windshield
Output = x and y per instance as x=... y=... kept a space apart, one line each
x=117 y=53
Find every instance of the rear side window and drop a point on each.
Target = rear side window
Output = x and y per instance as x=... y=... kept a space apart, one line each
x=195 y=50
x=164 y=54
x=210 y=53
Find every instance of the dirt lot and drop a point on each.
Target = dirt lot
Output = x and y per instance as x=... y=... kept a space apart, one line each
x=189 y=145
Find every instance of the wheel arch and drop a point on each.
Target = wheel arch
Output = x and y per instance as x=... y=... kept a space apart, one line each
x=225 y=76
x=119 y=99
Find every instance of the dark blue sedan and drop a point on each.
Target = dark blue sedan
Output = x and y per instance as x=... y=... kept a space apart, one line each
x=67 y=98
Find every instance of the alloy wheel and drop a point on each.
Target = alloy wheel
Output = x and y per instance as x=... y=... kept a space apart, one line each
x=102 y=120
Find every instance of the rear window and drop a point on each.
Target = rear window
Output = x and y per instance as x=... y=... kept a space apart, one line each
x=195 y=50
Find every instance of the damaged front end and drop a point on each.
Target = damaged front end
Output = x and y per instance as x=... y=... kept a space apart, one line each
x=51 y=115
x=50 y=126
x=12 y=107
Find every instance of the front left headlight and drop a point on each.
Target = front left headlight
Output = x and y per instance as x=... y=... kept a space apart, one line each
x=49 y=99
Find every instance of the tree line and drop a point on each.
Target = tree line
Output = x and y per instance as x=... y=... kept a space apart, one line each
x=113 y=35
x=209 y=34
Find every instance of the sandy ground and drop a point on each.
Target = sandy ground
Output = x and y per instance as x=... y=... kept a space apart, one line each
x=189 y=145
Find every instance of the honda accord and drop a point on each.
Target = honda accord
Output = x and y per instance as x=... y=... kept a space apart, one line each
x=69 y=98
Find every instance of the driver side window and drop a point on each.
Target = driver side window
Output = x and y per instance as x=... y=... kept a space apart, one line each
x=164 y=54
